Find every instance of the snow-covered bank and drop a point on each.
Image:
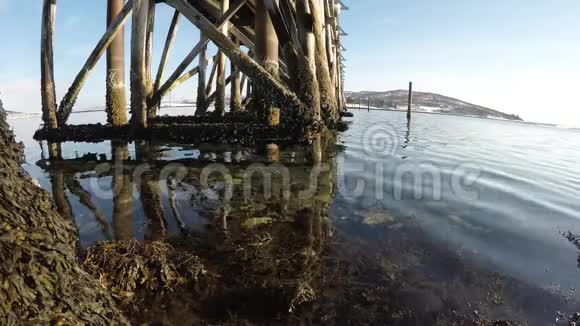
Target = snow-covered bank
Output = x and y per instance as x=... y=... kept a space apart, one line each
x=12 y=115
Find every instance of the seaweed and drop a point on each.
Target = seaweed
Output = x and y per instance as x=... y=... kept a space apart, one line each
x=41 y=281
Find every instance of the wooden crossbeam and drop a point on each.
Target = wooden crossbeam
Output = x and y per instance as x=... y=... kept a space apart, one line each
x=196 y=50
x=279 y=95
x=186 y=76
x=71 y=96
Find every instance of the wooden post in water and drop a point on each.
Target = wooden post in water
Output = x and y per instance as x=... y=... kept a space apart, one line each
x=307 y=81
x=48 y=93
x=151 y=108
x=116 y=98
x=267 y=55
x=236 y=87
x=410 y=100
x=201 y=83
x=138 y=64
x=325 y=84
x=220 y=101
x=369 y=103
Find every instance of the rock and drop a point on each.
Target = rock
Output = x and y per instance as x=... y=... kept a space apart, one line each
x=255 y=222
x=378 y=218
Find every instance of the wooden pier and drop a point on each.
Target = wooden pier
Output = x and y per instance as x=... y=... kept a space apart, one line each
x=292 y=72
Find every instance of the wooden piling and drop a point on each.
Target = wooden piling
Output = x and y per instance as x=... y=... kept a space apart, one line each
x=220 y=102
x=71 y=96
x=410 y=102
x=138 y=64
x=268 y=56
x=307 y=62
x=116 y=97
x=151 y=107
x=201 y=105
x=328 y=101
x=236 y=86
x=48 y=93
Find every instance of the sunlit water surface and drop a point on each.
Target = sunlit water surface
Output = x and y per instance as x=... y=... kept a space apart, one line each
x=497 y=194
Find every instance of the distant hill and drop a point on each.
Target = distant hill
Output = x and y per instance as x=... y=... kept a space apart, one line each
x=426 y=102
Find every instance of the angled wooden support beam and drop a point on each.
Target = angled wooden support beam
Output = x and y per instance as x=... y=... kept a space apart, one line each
x=278 y=94
x=342 y=32
x=198 y=48
x=167 y=49
x=183 y=78
x=48 y=92
x=244 y=39
x=243 y=83
x=343 y=6
x=211 y=80
x=342 y=48
x=71 y=96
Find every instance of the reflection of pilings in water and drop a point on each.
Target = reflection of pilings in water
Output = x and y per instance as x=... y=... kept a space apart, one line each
x=272 y=153
x=84 y=197
x=61 y=202
x=407 y=134
x=145 y=151
x=152 y=207
x=123 y=194
x=54 y=151
x=171 y=186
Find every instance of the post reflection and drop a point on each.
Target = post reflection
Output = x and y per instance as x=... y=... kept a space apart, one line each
x=123 y=193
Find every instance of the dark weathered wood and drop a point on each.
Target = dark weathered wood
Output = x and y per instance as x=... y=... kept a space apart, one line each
x=201 y=81
x=186 y=76
x=220 y=102
x=278 y=94
x=167 y=49
x=328 y=103
x=209 y=87
x=116 y=96
x=197 y=49
x=308 y=85
x=236 y=88
x=48 y=92
x=70 y=98
x=139 y=92
x=267 y=54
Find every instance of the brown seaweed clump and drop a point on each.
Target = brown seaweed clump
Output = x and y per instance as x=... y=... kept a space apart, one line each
x=40 y=280
x=128 y=267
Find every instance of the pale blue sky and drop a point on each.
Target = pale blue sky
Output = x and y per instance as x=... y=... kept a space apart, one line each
x=518 y=56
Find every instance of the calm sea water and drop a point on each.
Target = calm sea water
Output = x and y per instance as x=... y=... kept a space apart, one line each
x=495 y=194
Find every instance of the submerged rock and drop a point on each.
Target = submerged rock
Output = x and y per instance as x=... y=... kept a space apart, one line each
x=256 y=222
x=378 y=218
